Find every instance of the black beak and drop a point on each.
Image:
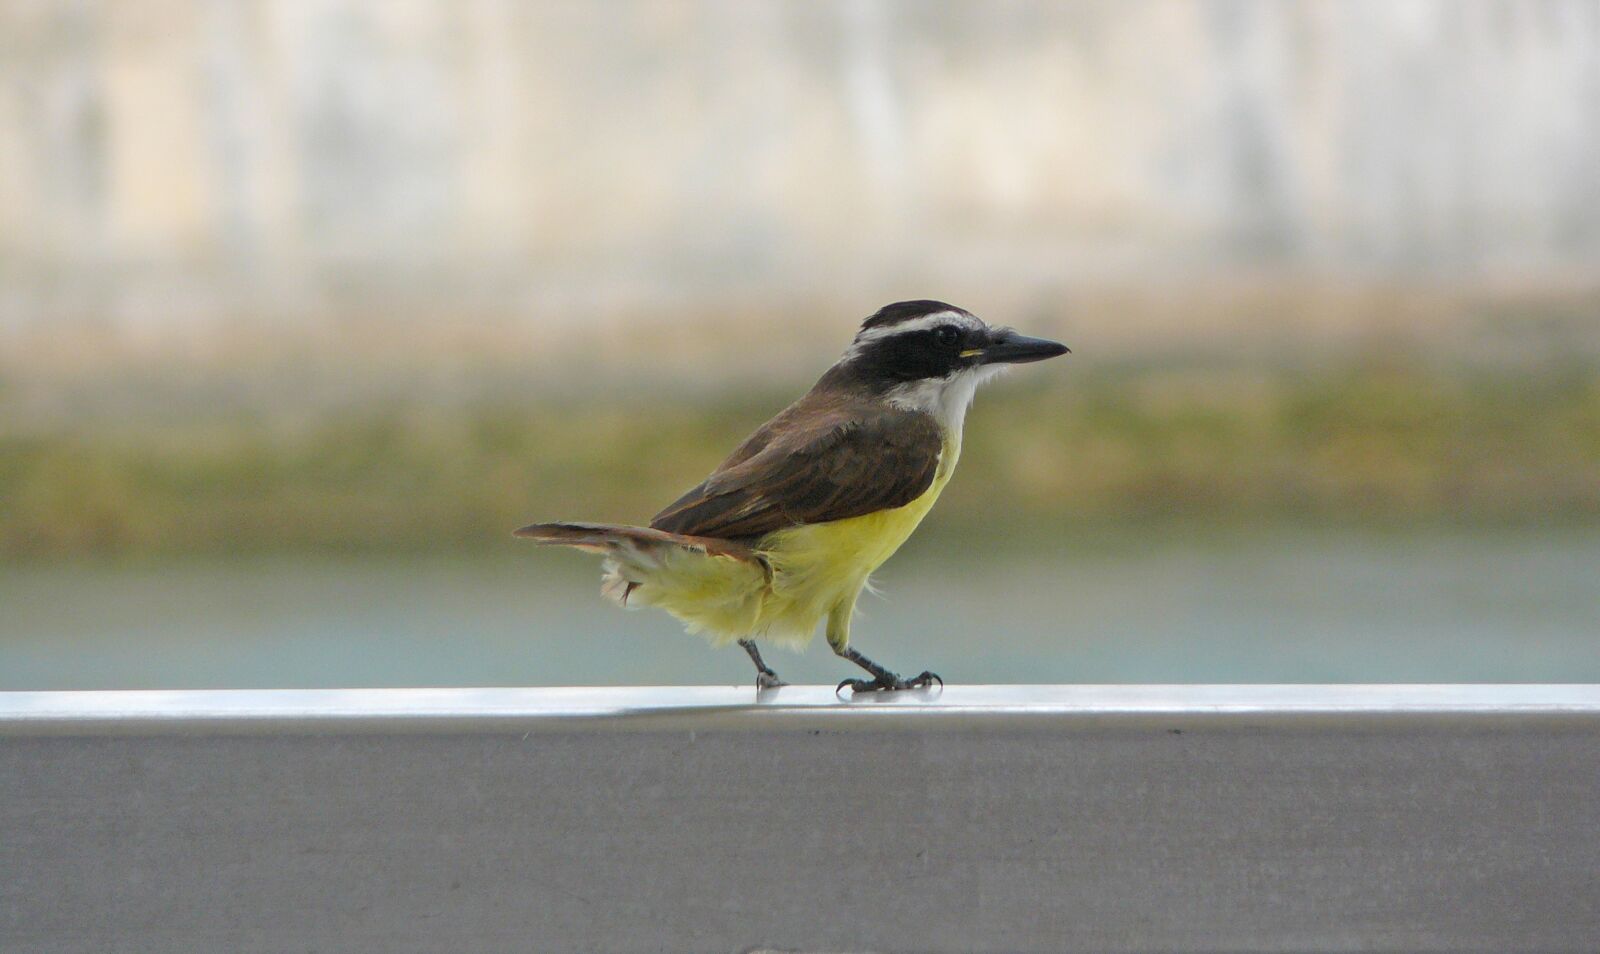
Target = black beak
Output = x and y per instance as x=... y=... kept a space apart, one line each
x=1008 y=347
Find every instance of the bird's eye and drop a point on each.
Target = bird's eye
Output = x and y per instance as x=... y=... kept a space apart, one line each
x=947 y=334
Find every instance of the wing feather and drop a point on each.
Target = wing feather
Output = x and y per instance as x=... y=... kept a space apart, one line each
x=846 y=462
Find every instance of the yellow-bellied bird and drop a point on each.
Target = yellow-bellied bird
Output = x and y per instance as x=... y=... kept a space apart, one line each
x=788 y=529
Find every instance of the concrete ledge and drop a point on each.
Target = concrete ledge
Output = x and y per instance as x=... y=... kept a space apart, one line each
x=184 y=710
x=1005 y=818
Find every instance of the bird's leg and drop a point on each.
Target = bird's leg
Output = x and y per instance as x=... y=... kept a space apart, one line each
x=765 y=677
x=882 y=679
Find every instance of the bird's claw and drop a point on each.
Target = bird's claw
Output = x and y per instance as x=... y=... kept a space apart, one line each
x=855 y=686
x=768 y=680
x=890 y=683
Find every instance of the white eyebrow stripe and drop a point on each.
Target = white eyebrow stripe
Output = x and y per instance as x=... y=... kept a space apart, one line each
x=925 y=323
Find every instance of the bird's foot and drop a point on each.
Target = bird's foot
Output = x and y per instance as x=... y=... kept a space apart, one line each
x=768 y=680
x=889 y=682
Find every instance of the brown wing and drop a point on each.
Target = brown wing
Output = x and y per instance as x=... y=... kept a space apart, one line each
x=837 y=463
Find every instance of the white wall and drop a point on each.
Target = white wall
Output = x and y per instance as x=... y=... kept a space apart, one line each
x=172 y=158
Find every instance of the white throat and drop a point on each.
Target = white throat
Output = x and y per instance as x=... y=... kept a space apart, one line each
x=947 y=399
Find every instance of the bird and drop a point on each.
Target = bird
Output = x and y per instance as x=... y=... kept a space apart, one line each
x=787 y=531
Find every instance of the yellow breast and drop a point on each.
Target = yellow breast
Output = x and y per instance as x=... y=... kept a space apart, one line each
x=817 y=571
x=821 y=566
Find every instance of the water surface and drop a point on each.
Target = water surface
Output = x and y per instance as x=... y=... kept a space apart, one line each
x=1113 y=605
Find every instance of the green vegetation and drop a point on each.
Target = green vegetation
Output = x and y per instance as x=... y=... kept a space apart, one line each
x=1372 y=445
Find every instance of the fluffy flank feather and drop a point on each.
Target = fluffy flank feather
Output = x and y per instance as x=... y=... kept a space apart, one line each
x=667 y=568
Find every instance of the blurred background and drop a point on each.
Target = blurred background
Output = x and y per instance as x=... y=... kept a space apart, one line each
x=305 y=304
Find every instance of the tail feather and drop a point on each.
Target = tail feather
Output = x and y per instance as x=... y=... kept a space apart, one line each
x=633 y=553
x=603 y=537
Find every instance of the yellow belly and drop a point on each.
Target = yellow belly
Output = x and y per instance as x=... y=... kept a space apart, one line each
x=818 y=570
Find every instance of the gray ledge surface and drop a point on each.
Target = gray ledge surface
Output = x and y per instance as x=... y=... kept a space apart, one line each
x=982 y=818
x=184 y=708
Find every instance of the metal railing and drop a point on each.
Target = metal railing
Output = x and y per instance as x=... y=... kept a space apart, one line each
x=1015 y=818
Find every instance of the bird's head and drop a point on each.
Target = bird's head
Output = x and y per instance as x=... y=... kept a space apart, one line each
x=931 y=356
